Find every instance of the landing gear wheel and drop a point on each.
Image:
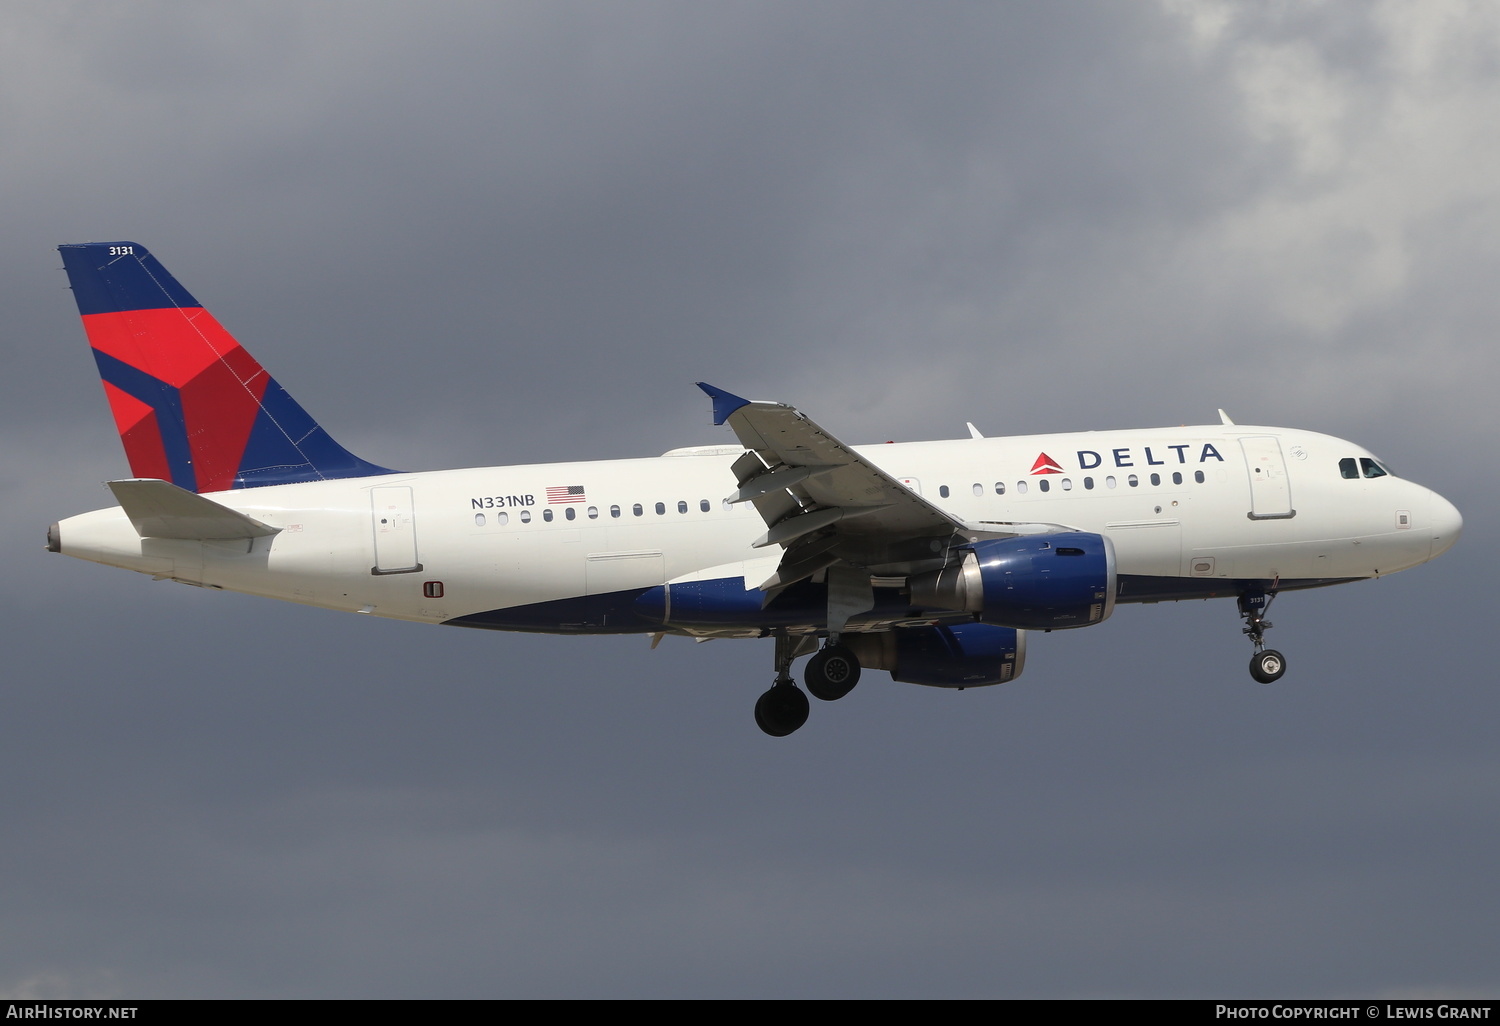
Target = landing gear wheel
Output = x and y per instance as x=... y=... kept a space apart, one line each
x=832 y=673
x=1267 y=666
x=781 y=710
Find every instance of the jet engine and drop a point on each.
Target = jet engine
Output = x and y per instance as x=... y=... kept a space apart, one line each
x=1036 y=582
x=964 y=655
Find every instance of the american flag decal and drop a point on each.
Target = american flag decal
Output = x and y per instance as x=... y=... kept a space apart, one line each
x=565 y=493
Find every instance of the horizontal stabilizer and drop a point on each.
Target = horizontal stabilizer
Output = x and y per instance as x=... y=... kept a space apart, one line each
x=160 y=509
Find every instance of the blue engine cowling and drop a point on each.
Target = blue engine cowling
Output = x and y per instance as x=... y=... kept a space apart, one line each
x=1036 y=582
x=965 y=655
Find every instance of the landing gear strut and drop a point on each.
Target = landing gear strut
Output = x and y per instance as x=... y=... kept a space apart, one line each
x=1267 y=665
x=783 y=709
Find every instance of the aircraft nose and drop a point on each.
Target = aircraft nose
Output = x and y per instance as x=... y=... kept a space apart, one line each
x=1447 y=524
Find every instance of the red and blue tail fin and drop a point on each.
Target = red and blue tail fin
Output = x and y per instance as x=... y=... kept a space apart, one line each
x=193 y=407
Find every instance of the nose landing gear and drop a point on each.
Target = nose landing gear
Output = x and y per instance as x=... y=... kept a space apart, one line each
x=1267 y=665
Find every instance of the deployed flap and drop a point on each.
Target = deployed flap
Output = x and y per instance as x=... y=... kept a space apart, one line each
x=160 y=509
x=875 y=519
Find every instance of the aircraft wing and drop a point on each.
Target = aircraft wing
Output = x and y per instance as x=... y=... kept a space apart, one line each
x=824 y=502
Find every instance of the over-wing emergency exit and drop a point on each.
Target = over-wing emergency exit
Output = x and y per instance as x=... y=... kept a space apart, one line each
x=928 y=560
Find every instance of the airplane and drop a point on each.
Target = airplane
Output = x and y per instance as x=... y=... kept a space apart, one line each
x=928 y=560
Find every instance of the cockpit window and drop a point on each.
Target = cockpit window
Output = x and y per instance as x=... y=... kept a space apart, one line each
x=1348 y=470
x=1371 y=468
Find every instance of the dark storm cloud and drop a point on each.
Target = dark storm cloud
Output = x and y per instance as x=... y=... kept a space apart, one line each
x=559 y=185
x=505 y=233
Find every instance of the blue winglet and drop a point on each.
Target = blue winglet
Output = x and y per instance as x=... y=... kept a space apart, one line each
x=725 y=403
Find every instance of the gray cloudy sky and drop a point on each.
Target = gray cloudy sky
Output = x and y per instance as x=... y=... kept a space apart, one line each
x=516 y=232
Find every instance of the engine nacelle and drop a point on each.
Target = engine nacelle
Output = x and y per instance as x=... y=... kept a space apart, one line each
x=965 y=655
x=1037 y=582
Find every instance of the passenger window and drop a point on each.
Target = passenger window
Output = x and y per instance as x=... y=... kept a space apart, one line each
x=1044 y=484
x=593 y=512
x=978 y=490
x=478 y=519
x=1109 y=482
x=502 y=518
x=1347 y=470
x=1198 y=476
x=681 y=506
x=525 y=516
x=1176 y=477
x=570 y=512
x=1372 y=469
x=1067 y=484
x=943 y=491
x=999 y=487
x=636 y=509
x=614 y=511
x=1020 y=487
x=661 y=509
x=1155 y=479
x=547 y=515
x=703 y=505
x=1133 y=481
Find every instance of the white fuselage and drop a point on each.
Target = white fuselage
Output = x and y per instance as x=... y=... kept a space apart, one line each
x=1190 y=510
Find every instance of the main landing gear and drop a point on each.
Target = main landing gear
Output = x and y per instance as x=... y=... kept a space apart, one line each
x=782 y=709
x=831 y=674
x=1267 y=665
